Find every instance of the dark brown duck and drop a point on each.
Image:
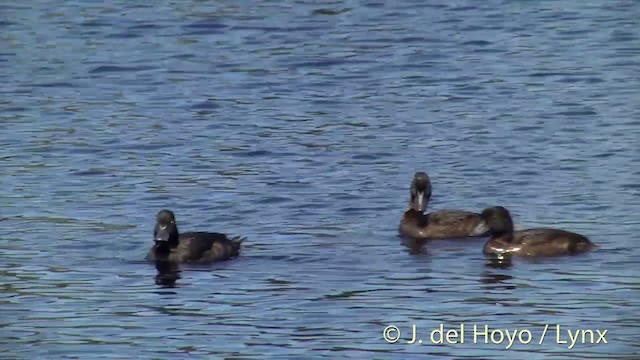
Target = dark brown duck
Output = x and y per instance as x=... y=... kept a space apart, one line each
x=198 y=247
x=531 y=242
x=439 y=224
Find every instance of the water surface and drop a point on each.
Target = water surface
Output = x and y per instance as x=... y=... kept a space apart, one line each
x=300 y=124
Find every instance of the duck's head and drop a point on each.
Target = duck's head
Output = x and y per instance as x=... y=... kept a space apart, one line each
x=166 y=230
x=420 y=192
x=498 y=220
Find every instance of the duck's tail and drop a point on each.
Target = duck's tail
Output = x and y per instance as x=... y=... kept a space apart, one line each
x=584 y=244
x=236 y=241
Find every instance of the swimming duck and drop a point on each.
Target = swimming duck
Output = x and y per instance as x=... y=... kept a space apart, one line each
x=530 y=242
x=438 y=224
x=198 y=247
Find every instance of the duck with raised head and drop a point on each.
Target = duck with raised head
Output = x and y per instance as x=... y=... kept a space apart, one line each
x=439 y=224
x=530 y=242
x=196 y=247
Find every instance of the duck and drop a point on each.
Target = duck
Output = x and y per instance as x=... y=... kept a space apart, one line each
x=438 y=224
x=190 y=247
x=505 y=241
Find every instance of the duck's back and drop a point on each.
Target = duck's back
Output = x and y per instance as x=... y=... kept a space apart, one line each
x=545 y=241
x=442 y=224
x=455 y=223
x=205 y=247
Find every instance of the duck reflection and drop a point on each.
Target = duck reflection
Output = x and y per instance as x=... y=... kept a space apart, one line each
x=168 y=274
x=415 y=246
x=499 y=262
x=495 y=281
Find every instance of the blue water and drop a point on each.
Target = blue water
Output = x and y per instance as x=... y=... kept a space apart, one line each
x=299 y=124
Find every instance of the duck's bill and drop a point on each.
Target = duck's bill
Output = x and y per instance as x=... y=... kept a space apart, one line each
x=162 y=234
x=420 y=202
x=480 y=230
